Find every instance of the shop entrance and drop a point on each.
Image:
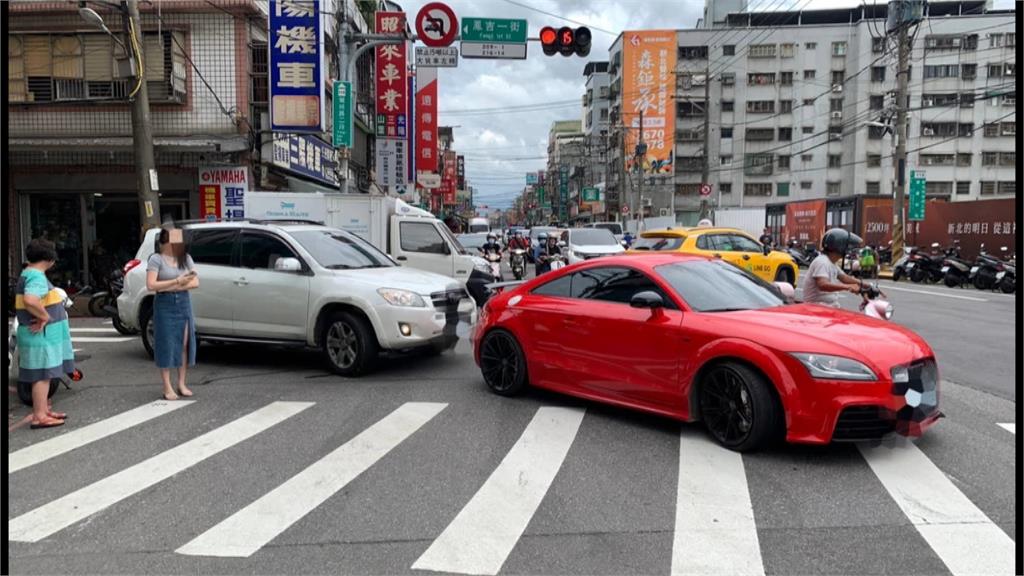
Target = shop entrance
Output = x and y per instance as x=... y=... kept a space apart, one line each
x=117 y=229
x=58 y=218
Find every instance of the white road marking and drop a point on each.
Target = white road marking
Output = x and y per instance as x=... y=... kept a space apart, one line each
x=480 y=538
x=961 y=535
x=95 y=330
x=1011 y=428
x=97 y=340
x=42 y=451
x=245 y=532
x=957 y=296
x=79 y=505
x=715 y=531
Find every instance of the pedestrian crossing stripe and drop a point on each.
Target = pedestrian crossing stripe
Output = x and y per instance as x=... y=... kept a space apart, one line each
x=714 y=528
x=1011 y=428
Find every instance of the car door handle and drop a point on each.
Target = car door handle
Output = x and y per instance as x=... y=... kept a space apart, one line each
x=241 y=282
x=402 y=258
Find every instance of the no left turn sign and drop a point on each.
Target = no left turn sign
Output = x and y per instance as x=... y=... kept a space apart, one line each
x=436 y=25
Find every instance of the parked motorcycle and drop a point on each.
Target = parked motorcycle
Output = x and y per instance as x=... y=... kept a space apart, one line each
x=899 y=269
x=986 y=267
x=25 y=388
x=1007 y=277
x=885 y=254
x=928 y=267
x=956 y=271
x=517 y=261
x=800 y=256
x=104 y=302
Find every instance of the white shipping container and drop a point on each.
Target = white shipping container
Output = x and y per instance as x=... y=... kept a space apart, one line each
x=750 y=220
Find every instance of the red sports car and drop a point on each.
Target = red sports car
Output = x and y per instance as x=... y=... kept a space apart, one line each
x=702 y=340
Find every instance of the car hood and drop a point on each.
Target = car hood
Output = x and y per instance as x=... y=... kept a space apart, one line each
x=597 y=248
x=824 y=330
x=419 y=281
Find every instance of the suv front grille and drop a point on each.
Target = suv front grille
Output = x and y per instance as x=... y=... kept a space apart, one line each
x=448 y=301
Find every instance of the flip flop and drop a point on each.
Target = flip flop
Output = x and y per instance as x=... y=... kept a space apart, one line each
x=57 y=415
x=51 y=423
x=184 y=395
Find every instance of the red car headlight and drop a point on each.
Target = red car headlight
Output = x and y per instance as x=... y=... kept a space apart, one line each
x=826 y=367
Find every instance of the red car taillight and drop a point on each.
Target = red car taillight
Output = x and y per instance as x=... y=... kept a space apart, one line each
x=129 y=265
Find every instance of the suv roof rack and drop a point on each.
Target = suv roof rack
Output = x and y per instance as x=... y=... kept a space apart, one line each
x=263 y=221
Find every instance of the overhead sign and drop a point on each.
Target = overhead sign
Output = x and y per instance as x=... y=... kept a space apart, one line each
x=531 y=178
x=296 y=39
x=392 y=78
x=460 y=172
x=342 y=120
x=648 y=85
x=307 y=156
x=426 y=120
x=222 y=192
x=436 y=24
x=494 y=30
x=439 y=57
x=591 y=194
x=428 y=180
x=915 y=209
x=495 y=51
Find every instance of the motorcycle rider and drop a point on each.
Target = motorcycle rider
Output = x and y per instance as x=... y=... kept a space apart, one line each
x=548 y=249
x=518 y=241
x=491 y=245
x=823 y=277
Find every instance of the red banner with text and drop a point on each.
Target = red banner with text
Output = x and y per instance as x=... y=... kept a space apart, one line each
x=392 y=78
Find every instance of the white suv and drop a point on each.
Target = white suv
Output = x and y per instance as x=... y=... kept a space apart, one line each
x=303 y=284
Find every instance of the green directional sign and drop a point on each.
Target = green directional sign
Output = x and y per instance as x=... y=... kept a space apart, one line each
x=342 y=114
x=494 y=30
x=915 y=211
x=591 y=195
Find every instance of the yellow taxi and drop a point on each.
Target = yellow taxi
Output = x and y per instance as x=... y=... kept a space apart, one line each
x=730 y=244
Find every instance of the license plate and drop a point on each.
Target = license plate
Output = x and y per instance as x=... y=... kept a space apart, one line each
x=974 y=269
x=945 y=269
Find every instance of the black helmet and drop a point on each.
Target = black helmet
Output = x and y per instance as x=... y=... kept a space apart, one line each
x=839 y=241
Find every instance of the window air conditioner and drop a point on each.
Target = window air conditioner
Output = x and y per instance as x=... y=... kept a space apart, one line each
x=646 y=202
x=837 y=115
x=663 y=211
x=928 y=131
x=837 y=87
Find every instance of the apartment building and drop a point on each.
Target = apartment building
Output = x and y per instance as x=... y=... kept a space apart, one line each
x=566 y=157
x=796 y=98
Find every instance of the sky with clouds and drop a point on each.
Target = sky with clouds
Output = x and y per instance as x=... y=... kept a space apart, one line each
x=500 y=146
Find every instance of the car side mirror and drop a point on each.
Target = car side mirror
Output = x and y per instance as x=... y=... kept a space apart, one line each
x=288 y=265
x=647 y=299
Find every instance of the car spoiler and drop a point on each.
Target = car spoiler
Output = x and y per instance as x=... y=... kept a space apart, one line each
x=498 y=287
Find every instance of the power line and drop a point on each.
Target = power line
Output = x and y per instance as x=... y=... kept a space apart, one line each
x=546 y=13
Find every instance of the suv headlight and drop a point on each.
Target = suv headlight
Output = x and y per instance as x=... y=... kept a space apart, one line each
x=825 y=367
x=397 y=297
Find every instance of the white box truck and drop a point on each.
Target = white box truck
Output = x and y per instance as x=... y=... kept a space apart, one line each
x=412 y=236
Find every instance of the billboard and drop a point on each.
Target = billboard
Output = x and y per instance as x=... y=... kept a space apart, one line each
x=296 y=67
x=805 y=221
x=426 y=120
x=392 y=78
x=222 y=192
x=648 y=83
x=989 y=222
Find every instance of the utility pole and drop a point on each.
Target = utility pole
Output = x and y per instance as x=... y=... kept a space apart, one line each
x=705 y=175
x=142 y=130
x=900 y=157
x=641 y=151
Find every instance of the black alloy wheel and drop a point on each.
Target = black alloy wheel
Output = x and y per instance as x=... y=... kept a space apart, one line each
x=737 y=407
x=502 y=363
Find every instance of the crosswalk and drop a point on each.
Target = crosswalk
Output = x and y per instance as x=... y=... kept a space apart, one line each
x=716 y=530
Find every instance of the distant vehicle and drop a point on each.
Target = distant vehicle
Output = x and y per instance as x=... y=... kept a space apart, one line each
x=614 y=227
x=472 y=242
x=586 y=243
x=479 y=225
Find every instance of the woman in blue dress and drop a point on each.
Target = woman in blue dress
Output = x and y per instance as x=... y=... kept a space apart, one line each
x=171 y=273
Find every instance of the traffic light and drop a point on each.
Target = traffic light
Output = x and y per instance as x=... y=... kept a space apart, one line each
x=565 y=41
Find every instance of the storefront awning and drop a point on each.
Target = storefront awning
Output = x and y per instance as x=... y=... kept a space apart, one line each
x=184 y=144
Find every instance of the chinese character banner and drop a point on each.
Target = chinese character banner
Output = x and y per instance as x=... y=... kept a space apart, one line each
x=296 y=66
x=392 y=78
x=648 y=83
x=426 y=119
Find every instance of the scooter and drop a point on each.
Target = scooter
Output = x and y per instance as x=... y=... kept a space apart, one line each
x=104 y=303
x=985 y=269
x=1006 y=278
x=25 y=388
x=899 y=268
x=494 y=259
x=517 y=261
x=956 y=271
x=928 y=267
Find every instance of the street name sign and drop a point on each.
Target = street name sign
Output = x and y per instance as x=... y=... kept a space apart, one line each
x=342 y=114
x=494 y=51
x=494 y=30
x=917 y=194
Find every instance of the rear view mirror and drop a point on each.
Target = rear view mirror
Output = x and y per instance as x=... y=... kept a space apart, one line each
x=288 y=265
x=647 y=299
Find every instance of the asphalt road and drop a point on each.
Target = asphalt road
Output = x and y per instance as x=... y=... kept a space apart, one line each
x=419 y=468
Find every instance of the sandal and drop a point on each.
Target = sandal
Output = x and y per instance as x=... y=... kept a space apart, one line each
x=57 y=415
x=48 y=423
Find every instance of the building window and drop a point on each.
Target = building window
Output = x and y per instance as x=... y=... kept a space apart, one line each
x=785 y=134
x=876 y=102
x=46 y=68
x=1007 y=158
x=688 y=189
x=989 y=158
x=259 y=84
x=691 y=109
x=874 y=160
x=808 y=102
x=805 y=184
x=786 y=78
x=946 y=129
x=725 y=187
x=963 y=158
x=784 y=161
x=991 y=130
x=1008 y=128
x=835 y=160
x=835 y=133
x=939 y=100
x=785 y=106
x=727 y=132
x=839 y=48
x=968 y=71
x=808 y=74
x=729 y=50
x=725 y=160
x=963 y=188
x=761 y=51
x=758 y=164
x=833 y=188
x=933 y=188
x=782 y=189
x=878 y=73
x=876 y=132
x=938 y=159
x=967 y=99
x=728 y=105
x=878 y=44
x=693 y=135
x=810 y=45
x=808 y=129
x=757 y=188
x=761 y=106
x=1008 y=188
x=761 y=79
x=693 y=53
x=806 y=157
x=942 y=71
x=728 y=78
x=760 y=134
x=987 y=188
x=838 y=77
x=873 y=188
x=835 y=104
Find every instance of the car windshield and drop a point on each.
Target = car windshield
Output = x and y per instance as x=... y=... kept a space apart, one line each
x=592 y=237
x=717 y=286
x=341 y=250
x=472 y=241
x=611 y=227
x=658 y=243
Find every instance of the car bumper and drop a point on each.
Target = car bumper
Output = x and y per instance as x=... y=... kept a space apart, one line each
x=426 y=326
x=128 y=313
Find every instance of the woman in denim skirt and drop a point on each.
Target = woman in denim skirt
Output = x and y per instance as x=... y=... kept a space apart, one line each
x=171 y=273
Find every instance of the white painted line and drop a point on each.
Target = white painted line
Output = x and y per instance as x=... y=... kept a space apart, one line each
x=961 y=535
x=1011 y=428
x=715 y=531
x=95 y=330
x=254 y=526
x=97 y=340
x=79 y=505
x=480 y=538
x=957 y=296
x=42 y=451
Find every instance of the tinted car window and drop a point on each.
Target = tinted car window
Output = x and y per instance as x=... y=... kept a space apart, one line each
x=613 y=284
x=421 y=237
x=613 y=228
x=717 y=286
x=659 y=244
x=741 y=243
x=341 y=250
x=212 y=246
x=559 y=287
x=262 y=251
x=706 y=242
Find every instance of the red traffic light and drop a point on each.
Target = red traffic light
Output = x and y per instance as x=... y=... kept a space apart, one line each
x=549 y=40
x=565 y=41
